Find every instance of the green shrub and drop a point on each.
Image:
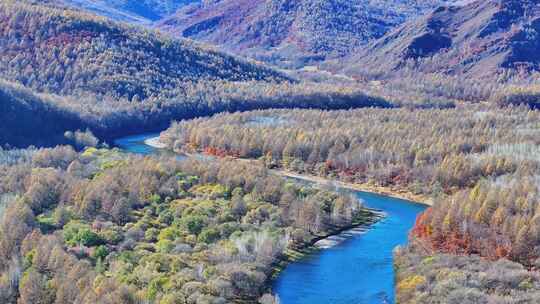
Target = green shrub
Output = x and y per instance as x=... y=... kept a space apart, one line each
x=154 y=199
x=111 y=235
x=77 y=233
x=62 y=215
x=164 y=246
x=212 y=190
x=28 y=258
x=155 y=287
x=166 y=217
x=46 y=223
x=100 y=253
x=151 y=235
x=169 y=233
x=209 y=235
x=193 y=223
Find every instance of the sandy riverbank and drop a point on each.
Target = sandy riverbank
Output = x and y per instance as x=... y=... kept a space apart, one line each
x=155 y=143
x=386 y=191
x=420 y=199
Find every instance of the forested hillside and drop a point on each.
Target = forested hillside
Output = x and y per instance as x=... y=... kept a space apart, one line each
x=66 y=52
x=461 y=247
x=104 y=227
x=287 y=31
x=132 y=11
x=449 y=115
x=494 y=40
x=118 y=79
x=26 y=118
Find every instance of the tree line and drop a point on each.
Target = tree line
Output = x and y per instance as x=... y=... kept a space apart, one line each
x=104 y=227
x=423 y=151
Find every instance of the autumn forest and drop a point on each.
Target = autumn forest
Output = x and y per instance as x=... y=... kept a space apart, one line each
x=281 y=123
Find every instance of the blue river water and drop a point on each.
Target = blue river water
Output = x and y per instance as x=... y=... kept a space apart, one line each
x=356 y=271
x=135 y=143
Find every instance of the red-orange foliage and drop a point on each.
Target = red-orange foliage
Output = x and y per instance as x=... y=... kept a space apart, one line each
x=63 y=39
x=220 y=152
x=455 y=243
x=490 y=220
x=421 y=228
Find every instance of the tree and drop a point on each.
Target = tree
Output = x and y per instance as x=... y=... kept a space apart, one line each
x=34 y=288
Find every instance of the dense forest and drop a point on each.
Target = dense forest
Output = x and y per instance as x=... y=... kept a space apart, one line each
x=109 y=119
x=88 y=72
x=133 y=11
x=291 y=33
x=72 y=53
x=479 y=164
x=408 y=88
x=105 y=227
x=461 y=279
x=27 y=120
x=421 y=151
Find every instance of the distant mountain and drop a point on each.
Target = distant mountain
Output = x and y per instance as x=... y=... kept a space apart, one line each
x=290 y=29
x=133 y=11
x=479 y=39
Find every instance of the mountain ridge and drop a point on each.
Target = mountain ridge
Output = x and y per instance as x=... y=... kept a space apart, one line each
x=117 y=79
x=288 y=30
x=477 y=39
x=131 y=11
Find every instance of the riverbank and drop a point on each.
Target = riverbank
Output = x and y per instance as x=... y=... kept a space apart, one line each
x=364 y=221
x=386 y=191
x=154 y=142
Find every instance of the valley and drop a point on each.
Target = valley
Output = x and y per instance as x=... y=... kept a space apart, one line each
x=118 y=80
x=295 y=137
x=291 y=33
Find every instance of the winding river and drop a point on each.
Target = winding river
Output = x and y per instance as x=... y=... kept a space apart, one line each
x=358 y=270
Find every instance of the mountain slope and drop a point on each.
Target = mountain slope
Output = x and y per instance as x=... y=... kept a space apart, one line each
x=479 y=39
x=291 y=29
x=117 y=80
x=66 y=52
x=133 y=11
x=111 y=78
x=26 y=118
